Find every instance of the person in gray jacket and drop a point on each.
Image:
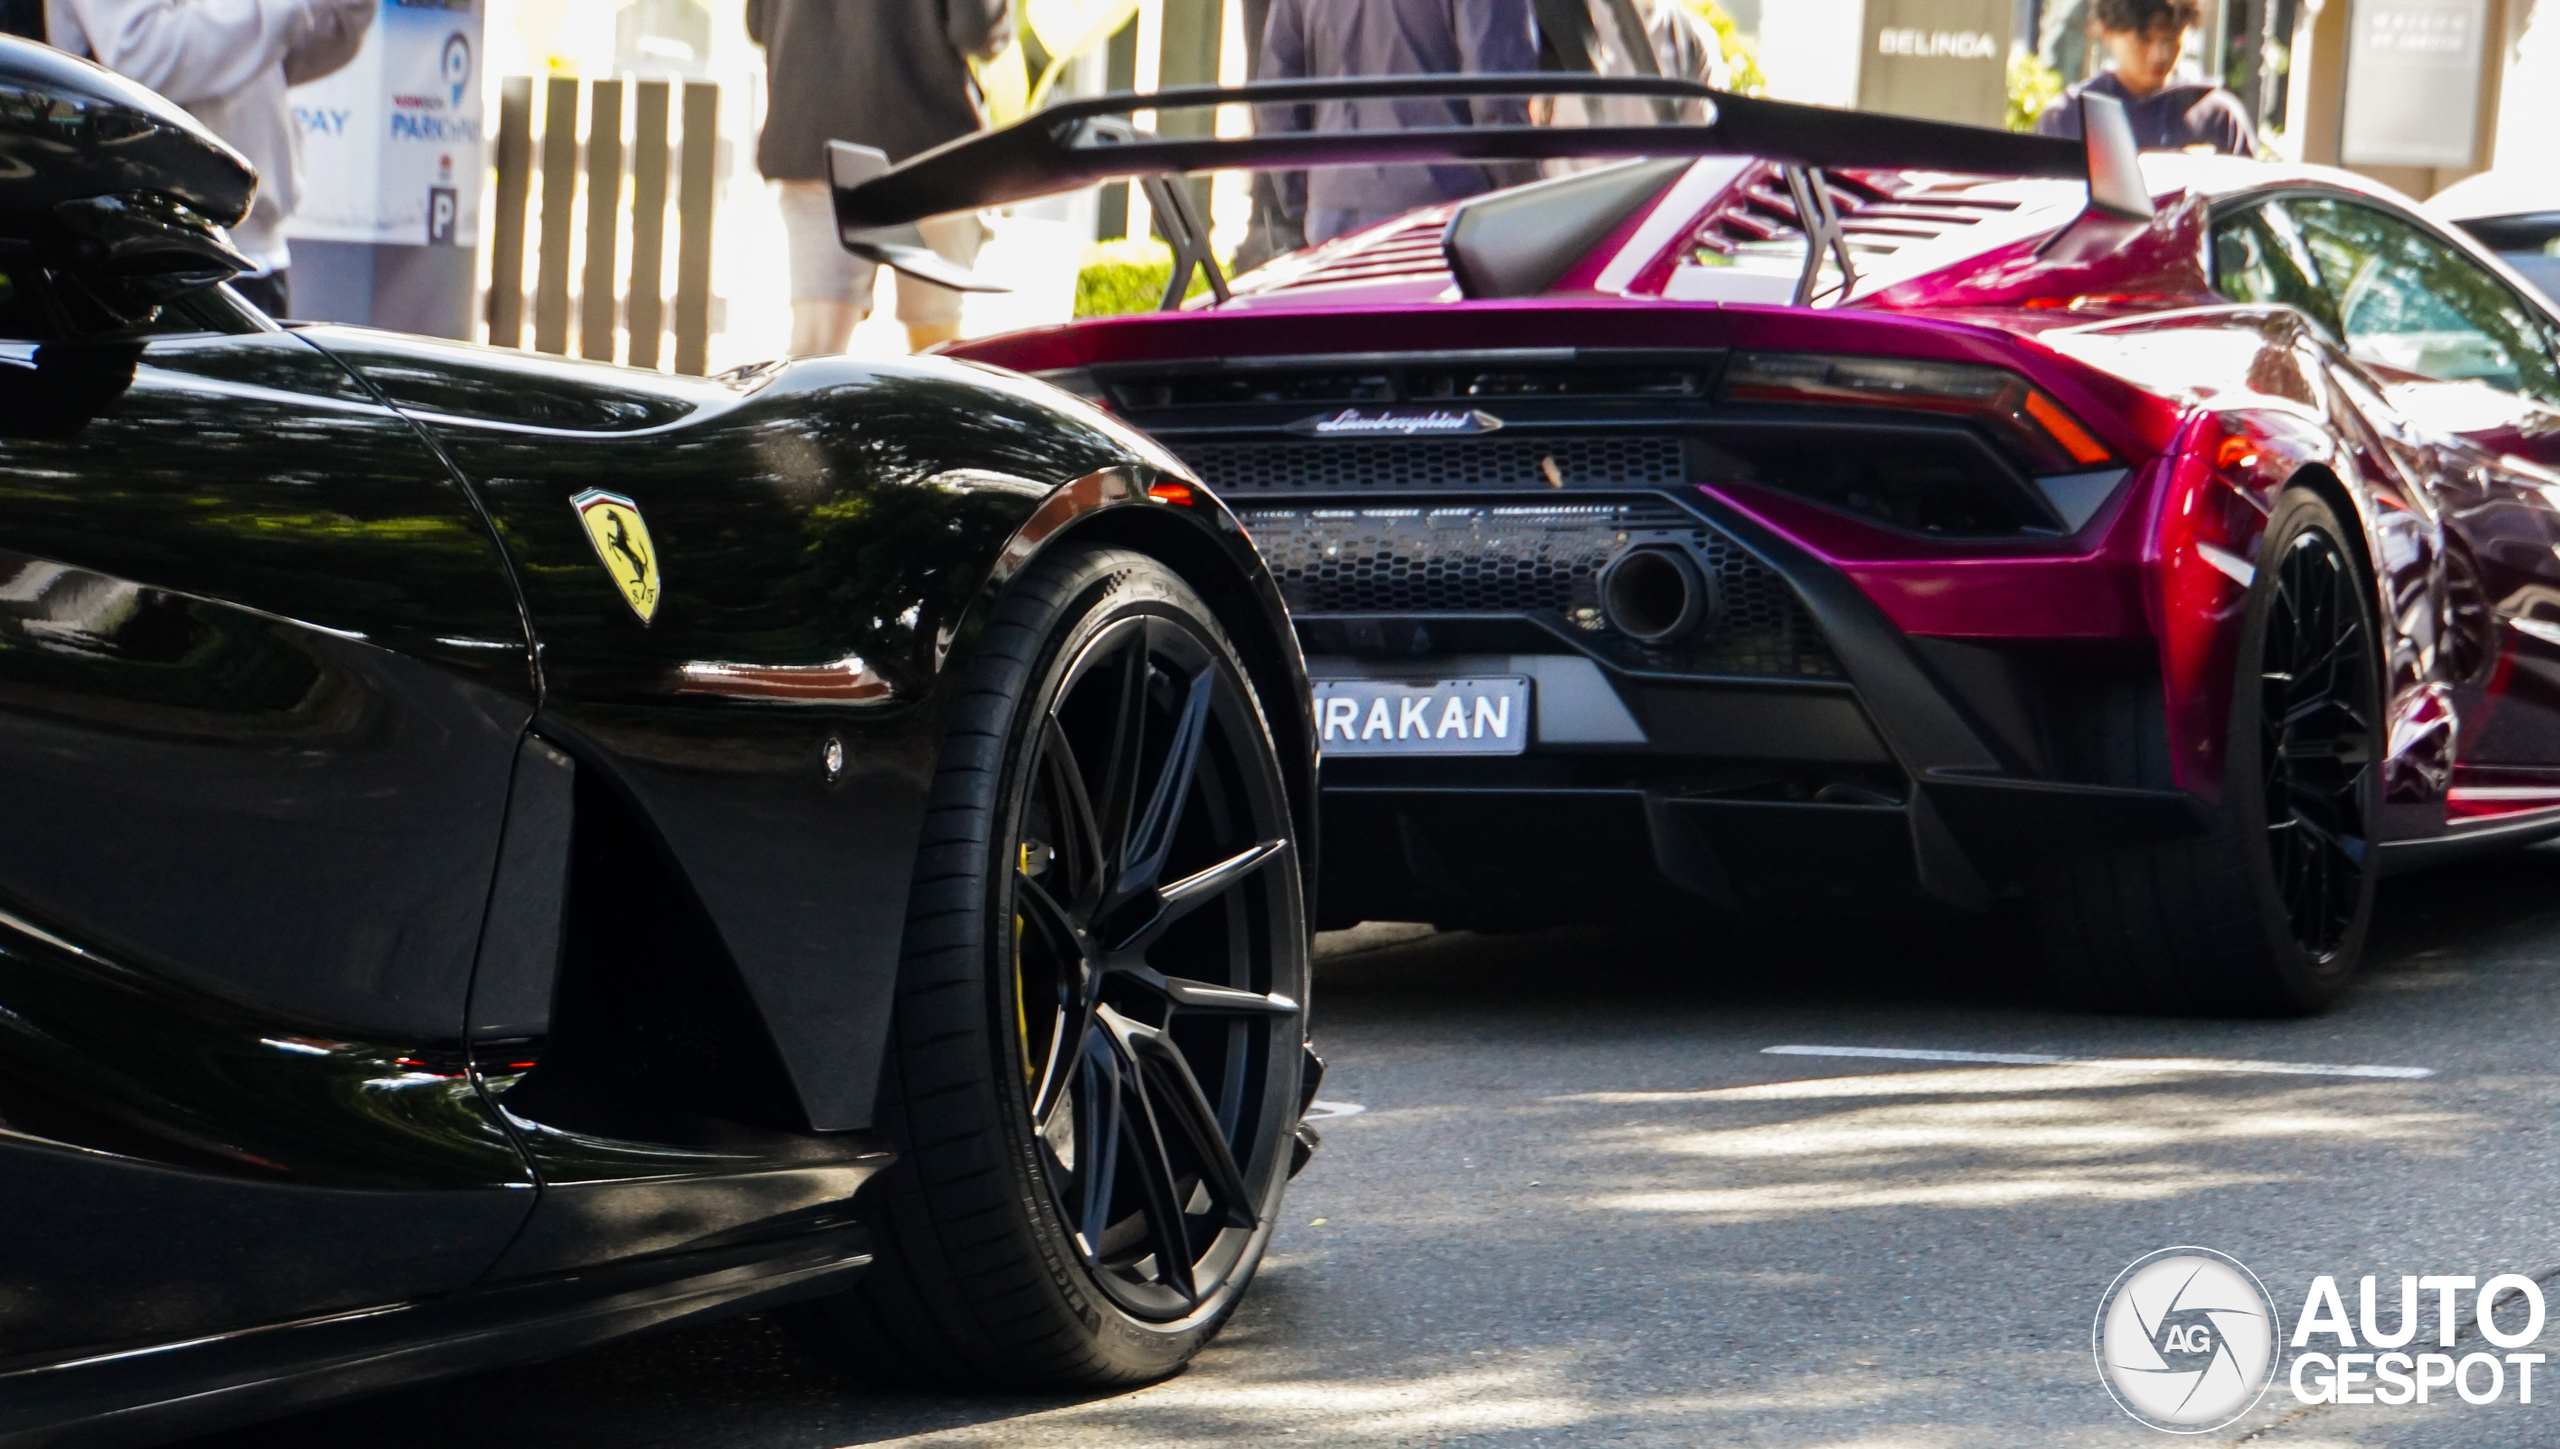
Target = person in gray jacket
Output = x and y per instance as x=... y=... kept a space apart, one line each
x=887 y=73
x=1317 y=39
x=229 y=64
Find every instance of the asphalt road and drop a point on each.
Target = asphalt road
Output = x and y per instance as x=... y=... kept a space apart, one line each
x=1584 y=1205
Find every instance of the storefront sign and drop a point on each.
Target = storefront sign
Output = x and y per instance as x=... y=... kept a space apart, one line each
x=392 y=149
x=2413 y=82
x=1947 y=60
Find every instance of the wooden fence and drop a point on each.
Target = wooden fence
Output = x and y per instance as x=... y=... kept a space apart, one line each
x=612 y=296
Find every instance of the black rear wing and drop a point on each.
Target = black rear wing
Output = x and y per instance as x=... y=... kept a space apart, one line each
x=1077 y=143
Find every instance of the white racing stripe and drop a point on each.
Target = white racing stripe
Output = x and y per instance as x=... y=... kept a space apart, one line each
x=2141 y=1064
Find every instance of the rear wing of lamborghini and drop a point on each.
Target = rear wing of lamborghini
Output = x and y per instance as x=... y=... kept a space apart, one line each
x=1077 y=143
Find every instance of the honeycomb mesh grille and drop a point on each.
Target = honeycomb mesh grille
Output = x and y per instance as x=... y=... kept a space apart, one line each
x=1531 y=558
x=1630 y=462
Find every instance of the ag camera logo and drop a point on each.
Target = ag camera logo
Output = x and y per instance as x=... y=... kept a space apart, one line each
x=2186 y=1339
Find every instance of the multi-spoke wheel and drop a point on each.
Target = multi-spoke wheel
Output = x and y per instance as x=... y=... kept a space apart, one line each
x=1146 y=1013
x=1100 y=1049
x=2316 y=738
x=2267 y=912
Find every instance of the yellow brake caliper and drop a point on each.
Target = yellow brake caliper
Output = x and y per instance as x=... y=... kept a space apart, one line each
x=1021 y=1013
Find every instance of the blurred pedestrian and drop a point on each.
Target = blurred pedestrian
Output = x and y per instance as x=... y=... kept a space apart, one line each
x=887 y=73
x=228 y=64
x=1307 y=39
x=1651 y=38
x=1270 y=230
x=2143 y=40
x=1658 y=38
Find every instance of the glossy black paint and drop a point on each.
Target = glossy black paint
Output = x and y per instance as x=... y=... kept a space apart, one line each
x=72 y=130
x=372 y=952
x=261 y=681
x=651 y=1104
x=824 y=531
x=278 y=1368
x=268 y=657
x=518 y=971
x=173 y=1163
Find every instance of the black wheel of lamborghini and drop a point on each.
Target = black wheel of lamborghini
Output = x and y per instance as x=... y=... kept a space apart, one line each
x=2319 y=724
x=1094 y=1077
x=2268 y=913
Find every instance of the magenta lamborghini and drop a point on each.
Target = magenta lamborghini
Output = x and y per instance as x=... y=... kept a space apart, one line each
x=1803 y=510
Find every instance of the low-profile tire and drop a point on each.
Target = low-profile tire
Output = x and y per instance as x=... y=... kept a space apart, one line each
x=1094 y=1072
x=2267 y=913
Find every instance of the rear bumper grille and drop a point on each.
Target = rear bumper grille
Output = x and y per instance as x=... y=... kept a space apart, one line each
x=1381 y=465
x=1498 y=558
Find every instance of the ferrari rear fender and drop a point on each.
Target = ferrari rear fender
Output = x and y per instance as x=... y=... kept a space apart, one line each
x=1171 y=516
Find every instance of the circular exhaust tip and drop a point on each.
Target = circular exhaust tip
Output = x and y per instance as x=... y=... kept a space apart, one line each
x=1655 y=595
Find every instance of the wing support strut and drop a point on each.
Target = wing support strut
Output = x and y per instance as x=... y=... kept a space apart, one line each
x=1178 y=220
x=1822 y=234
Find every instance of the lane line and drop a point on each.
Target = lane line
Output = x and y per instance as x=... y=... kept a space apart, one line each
x=2146 y=1064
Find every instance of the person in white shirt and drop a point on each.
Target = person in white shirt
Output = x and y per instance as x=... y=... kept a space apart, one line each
x=228 y=62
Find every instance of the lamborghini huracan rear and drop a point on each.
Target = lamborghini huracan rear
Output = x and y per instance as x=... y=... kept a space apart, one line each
x=1852 y=513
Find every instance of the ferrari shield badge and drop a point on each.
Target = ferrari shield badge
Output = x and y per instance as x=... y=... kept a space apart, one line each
x=621 y=538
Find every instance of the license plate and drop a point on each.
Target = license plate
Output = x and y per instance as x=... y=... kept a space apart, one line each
x=1447 y=717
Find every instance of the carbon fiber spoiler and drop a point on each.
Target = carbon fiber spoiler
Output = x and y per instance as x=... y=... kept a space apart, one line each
x=1076 y=143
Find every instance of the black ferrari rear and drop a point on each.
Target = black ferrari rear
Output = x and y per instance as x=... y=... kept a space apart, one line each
x=505 y=852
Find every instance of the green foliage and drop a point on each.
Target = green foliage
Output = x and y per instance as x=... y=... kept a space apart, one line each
x=2033 y=88
x=1742 y=66
x=1129 y=275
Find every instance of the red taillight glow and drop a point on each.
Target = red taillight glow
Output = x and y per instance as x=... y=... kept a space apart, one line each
x=2064 y=429
x=2052 y=439
x=1175 y=493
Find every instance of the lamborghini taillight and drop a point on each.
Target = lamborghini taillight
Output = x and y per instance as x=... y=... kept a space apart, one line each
x=2045 y=432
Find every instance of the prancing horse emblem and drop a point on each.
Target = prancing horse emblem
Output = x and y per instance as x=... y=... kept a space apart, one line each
x=621 y=538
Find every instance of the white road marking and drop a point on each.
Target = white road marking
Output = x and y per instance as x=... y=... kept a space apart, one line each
x=1320 y=1111
x=2141 y=1064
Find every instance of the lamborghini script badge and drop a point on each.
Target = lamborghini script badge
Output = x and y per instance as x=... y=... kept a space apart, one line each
x=621 y=538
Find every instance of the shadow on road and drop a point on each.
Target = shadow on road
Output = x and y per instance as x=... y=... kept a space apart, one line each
x=2486 y=905
x=1984 y=963
x=1578 y=1174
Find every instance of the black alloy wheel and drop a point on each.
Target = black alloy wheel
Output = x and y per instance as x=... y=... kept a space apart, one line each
x=2265 y=912
x=1099 y=1057
x=1144 y=839
x=2317 y=742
